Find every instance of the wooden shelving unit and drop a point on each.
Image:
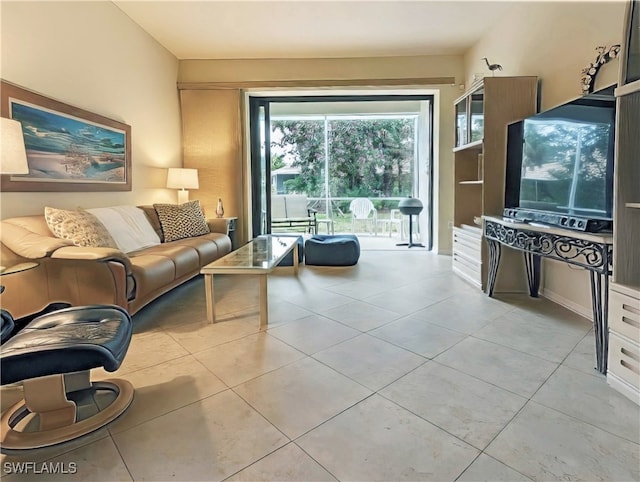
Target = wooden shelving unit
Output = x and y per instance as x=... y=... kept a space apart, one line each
x=482 y=116
x=624 y=293
x=626 y=254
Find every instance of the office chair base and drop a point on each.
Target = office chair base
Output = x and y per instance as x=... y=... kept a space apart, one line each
x=48 y=416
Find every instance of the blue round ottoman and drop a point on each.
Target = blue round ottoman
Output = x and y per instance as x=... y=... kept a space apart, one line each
x=328 y=250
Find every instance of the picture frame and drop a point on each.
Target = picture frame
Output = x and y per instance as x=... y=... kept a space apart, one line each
x=68 y=149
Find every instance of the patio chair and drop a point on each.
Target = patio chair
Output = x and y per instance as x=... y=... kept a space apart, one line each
x=291 y=211
x=395 y=219
x=362 y=209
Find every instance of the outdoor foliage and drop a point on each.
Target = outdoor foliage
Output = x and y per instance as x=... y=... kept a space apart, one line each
x=367 y=157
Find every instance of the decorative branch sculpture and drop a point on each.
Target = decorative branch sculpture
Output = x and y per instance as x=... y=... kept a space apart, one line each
x=589 y=73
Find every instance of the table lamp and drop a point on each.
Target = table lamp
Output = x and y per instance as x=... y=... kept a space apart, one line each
x=13 y=156
x=183 y=179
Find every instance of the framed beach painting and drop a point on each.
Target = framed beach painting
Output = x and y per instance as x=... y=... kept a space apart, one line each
x=68 y=149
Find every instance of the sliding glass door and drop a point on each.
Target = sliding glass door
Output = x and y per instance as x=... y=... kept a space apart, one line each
x=334 y=150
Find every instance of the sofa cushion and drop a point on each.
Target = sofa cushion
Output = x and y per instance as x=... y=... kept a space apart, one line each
x=152 y=272
x=80 y=227
x=181 y=221
x=129 y=227
x=209 y=246
x=184 y=258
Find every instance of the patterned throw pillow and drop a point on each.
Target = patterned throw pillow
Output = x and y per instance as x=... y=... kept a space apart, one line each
x=80 y=227
x=181 y=221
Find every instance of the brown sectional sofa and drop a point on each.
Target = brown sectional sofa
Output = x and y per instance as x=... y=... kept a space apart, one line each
x=85 y=275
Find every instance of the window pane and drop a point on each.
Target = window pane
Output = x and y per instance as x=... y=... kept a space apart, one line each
x=368 y=157
x=477 y=115
x=461 y=123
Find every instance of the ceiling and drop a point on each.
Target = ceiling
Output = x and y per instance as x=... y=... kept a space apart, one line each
x=243 y=29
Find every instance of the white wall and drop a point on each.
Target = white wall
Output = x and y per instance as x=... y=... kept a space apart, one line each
x=553 y=41
x=92 y=56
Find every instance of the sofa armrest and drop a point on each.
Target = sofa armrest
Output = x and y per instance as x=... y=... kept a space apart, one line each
x=29 y=244
x=218 y=225
x=92 y=254
x=109 y=270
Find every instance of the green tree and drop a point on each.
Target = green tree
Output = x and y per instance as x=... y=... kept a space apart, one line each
x=277 y=161
x=304 y=141
x=367 y=158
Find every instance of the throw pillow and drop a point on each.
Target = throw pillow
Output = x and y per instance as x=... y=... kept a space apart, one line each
x=128 y=226
x=152 y=216
x=79 y=227
x=181 y=221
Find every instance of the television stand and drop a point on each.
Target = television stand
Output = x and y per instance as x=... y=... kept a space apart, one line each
x=591 y=251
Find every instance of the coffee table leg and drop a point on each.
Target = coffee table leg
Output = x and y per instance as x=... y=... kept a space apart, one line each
x=295 y=259
x=208 y=292
x=264 y=305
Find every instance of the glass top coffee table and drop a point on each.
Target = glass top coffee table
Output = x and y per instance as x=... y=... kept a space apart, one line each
x=258 y=257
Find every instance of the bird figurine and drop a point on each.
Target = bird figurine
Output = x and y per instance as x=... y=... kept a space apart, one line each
x=492 y=67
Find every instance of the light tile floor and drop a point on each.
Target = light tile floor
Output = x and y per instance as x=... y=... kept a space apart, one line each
x=394 y=369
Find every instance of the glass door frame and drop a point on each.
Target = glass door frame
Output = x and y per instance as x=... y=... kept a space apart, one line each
x=259 y=136
x=258 y=194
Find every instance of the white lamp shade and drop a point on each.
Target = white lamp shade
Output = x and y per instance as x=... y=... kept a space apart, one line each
x=181 y=178
x=13 y=156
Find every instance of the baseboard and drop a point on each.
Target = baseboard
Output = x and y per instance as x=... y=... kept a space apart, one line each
x=570 y=305
x=623 y=387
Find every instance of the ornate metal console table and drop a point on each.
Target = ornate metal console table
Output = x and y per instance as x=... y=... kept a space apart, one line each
x=591 y=251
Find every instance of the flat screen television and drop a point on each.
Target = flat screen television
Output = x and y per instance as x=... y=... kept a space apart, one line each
x=560 y=165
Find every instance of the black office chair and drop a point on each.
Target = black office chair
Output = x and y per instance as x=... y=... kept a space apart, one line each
x=52 y=356
x=6 y=325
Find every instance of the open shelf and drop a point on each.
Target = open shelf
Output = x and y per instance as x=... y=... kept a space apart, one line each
x=472 y=145
x=477 y=230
